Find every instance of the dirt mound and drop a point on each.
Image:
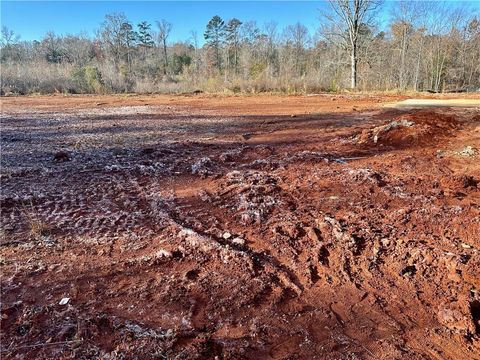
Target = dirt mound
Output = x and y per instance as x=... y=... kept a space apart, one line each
x=418 y=128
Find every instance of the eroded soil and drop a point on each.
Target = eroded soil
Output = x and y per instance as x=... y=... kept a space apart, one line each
x=202 y=227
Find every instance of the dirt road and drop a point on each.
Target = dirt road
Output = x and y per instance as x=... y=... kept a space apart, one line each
x=266 y=227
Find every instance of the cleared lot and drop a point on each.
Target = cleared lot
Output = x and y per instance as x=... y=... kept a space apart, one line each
x=239 y=227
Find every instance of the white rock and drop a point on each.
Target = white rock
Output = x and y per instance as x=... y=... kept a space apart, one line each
x=238 y=241
x=226 y=235
x=163 y=253
x=64 y=301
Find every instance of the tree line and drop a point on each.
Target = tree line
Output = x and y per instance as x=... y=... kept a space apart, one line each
x=425 y=47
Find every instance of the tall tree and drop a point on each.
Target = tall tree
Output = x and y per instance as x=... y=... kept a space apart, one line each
x=117 y=35
x=129 y=38
x=144 y=35
x=164 y=29
x=232 y=31
x=215 y=37
x=52 y=47
x=272 y=43
x=346 y=19
x=297 y=38
x=8 y=43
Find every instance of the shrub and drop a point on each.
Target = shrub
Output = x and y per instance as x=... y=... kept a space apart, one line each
x=94 y=79
x=87 y=79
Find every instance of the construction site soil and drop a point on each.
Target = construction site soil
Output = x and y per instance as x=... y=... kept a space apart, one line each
x=239 y=227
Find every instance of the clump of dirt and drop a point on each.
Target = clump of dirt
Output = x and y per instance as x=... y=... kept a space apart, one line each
x=251 y=193
x=203 y=167
x=418 y=128
x=459 y=184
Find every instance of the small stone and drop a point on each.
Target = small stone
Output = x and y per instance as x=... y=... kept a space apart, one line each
x=64 y=301
x=385 y=242
x=163 y=254
x=466 y=246
x=226 y=235
x=238 y=241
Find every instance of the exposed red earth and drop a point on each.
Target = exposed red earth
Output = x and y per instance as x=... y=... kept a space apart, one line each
x=249 y=227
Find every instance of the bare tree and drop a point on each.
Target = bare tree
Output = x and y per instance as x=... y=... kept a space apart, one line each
x=164 y=29
x=272 y=41
x=346 y=19
x=297 y=37
x=8 y=37
x=117 y=35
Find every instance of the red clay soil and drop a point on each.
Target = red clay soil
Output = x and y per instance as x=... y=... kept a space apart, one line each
x=261 y=227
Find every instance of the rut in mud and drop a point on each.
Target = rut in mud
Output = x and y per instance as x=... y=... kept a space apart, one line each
x=177 y=231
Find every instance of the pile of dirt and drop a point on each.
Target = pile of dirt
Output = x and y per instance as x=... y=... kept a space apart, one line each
x=416 y=128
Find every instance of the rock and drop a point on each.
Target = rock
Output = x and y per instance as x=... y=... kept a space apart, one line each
x=226 y=235
x=202 y=167
x=467 y=151
x=163 y=254
x=64 y=301
x=238 y=241
x=385 y=242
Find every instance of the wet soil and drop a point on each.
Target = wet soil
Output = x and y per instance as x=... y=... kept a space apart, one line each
x=261 y=227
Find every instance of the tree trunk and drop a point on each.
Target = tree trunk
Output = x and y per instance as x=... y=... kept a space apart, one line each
x=402 y=77
x=165 y=61
x=353 y=56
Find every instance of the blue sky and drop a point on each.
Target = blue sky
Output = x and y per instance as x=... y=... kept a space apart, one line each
x=32 y=19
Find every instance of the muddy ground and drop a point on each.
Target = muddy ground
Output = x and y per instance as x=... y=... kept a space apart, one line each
x=267 y=227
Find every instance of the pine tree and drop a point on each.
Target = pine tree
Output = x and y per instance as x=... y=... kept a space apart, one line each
x=215 y=37
x=129 y=37
x=144 y=35
x=233 y=41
